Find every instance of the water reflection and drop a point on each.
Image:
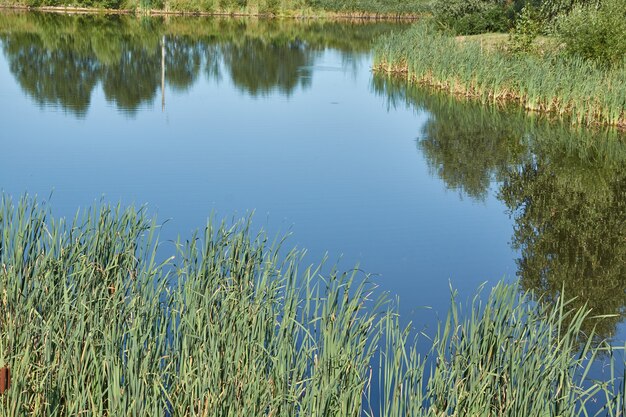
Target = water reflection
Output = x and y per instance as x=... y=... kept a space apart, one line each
x=570 y=218
x=565 y=189
x=59 y=60
x=59 y=76
x=467 y=152
x=257 y=66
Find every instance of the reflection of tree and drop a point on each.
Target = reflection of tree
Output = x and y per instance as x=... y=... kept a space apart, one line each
x=467 y=157
x=258 y=67
x=463 y=145
x=571 y=231
x=212 y=59
x=133 y=79
x=566 y=190
x=59 y=76
x=59 y=59
x=183 y=59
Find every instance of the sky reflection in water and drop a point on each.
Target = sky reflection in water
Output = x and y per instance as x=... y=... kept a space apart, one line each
x=285 y=119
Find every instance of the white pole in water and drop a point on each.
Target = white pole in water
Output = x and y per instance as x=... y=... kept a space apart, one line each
x=163 y=73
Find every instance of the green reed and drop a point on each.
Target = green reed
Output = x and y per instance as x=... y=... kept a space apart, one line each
x=566 y=87
x=504 y=356
x=92 y=323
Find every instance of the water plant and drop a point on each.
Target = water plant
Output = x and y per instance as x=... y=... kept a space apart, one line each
x=94 y=320
x=567 y=87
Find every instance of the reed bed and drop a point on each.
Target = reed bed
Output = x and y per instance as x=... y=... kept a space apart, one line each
x=518 y=135
x=566 y=87
x=92 y=323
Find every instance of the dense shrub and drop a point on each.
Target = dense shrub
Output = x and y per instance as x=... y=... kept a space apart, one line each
x=468 y=17
x=528 y=26
x=596 y=33
x=105 y=4
x=376 y=6
x=553 y=8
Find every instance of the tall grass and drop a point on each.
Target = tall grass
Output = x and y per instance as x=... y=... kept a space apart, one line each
x=562 y=86
x=503 y=356
x=91 y=323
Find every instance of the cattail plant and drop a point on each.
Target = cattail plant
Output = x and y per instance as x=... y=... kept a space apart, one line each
x=94 y=322
x=567 y=87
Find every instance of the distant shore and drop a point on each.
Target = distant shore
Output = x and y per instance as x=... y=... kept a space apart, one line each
x=295 y=13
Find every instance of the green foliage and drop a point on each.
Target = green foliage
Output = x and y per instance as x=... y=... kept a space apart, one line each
x=596 y=34
x=474 y=16
x=562 y=86
x=501 y=357
x=143 y=4
x=527 y=27
x=92 y=324
x=371 y=6
x=551 y=9
x=498 y=358
x=97 y=4
x=193 y=6
x=355 y=8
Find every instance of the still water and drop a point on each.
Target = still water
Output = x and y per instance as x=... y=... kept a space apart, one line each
x=197 y=117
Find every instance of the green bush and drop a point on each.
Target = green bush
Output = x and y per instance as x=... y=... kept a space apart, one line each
x=469 y=17
x=550 y=9
x=115 y=4
x=527 y=27
x=596 y=34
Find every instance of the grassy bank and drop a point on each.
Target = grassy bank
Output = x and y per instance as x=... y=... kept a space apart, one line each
x=91 y=323
x=560 y=86
x=196 y=10
x=86 y=32
x=361 y=9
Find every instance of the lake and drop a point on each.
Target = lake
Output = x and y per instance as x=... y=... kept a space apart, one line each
x=200 y=117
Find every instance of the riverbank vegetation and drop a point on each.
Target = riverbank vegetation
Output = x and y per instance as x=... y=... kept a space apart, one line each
x=96 y=320
x=294 y=8
x=568 y=62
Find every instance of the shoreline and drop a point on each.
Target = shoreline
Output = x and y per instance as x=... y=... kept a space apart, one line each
x=292 y=14
x=576 y=91
x=462 y=91
x=551 y=108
